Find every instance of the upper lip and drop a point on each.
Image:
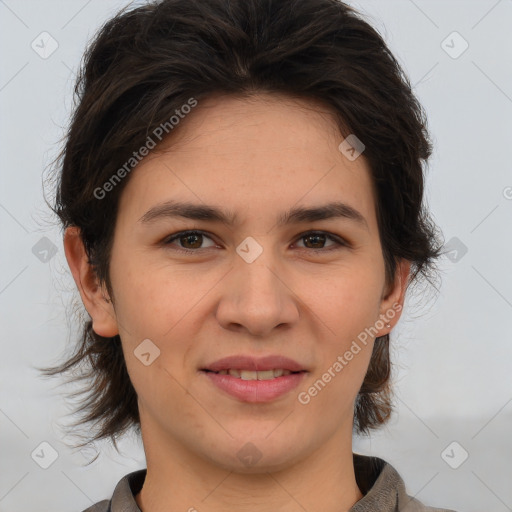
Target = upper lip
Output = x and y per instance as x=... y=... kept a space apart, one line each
x=243 y=362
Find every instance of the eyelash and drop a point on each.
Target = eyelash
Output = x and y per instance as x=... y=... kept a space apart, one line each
x=340 y=242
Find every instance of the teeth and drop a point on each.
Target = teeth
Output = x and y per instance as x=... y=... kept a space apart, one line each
x=253 y=375
x=248 y=375
x=265 y=375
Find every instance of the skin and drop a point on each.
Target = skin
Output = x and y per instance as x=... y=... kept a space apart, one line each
x=257 y=158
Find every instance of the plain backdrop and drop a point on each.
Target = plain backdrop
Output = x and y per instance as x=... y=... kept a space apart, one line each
x=450 y=437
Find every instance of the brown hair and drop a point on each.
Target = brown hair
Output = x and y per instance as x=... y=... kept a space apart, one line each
x=147 y=62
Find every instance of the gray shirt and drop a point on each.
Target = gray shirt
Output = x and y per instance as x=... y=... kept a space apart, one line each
x=382 y=487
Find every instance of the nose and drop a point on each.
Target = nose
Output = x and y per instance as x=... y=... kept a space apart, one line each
x=256 y=298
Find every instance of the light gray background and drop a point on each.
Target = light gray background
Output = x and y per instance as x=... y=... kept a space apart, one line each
x=452 y=357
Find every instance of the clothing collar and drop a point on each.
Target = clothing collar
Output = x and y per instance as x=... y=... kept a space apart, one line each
x=381 y=485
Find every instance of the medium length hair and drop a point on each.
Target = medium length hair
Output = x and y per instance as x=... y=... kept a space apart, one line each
x=147 y=62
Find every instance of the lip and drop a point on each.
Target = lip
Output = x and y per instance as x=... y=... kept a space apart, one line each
x=255 y=391
x=244 y=362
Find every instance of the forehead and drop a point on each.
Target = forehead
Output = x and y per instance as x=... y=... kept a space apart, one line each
x=253 y=154
x=276 y=119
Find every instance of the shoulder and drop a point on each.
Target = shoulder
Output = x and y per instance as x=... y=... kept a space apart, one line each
x=409 y=504
x=384 y=488
x=101 y=506
x=123 y=497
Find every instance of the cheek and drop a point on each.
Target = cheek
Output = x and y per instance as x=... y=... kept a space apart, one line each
x=155 y=303
x=346 y=301
x=346 y=307
x=151 y=298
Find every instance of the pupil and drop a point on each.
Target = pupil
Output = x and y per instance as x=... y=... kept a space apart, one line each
x=192 y=236
x=315 y=237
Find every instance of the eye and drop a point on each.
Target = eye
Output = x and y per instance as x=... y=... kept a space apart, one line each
x=318 y=239
x=190 y=241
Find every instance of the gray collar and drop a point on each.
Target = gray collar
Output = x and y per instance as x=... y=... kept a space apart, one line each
x=381 y=485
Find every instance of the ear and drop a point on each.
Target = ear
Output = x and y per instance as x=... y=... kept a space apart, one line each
x=95 y=297
x=392 y=302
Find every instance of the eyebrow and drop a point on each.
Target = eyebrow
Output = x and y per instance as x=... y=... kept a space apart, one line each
x=173 y=209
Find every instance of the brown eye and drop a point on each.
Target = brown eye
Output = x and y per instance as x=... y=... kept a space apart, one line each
x=317 y=240
x=191 y=241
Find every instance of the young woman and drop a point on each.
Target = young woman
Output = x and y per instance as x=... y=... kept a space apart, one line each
x=241 y=190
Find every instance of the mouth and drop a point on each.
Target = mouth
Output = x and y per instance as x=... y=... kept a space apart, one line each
x=252 y=386
x=248 y=367
x=255 y=375
x=255 y=379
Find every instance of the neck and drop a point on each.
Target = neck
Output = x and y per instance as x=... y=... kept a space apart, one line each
x=180 y=480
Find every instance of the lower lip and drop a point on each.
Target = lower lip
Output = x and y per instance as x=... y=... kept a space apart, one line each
x=256 y=391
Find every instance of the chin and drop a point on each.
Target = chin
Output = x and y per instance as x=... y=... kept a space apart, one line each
x=258 y=456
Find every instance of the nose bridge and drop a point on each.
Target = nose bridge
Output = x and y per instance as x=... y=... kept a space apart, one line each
x=257 y=286
x=259 y=279
x=256 y=297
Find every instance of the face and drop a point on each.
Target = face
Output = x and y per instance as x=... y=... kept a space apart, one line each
x=257 y=283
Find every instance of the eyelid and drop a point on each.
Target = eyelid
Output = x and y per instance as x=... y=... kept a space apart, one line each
x=338 y=240
x=174 y=236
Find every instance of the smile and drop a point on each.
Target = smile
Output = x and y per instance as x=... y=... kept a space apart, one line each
x=255 y=375
x=255 y=386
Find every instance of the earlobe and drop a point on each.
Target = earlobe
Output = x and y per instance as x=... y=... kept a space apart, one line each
x=393 y=302
x=95 y=297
